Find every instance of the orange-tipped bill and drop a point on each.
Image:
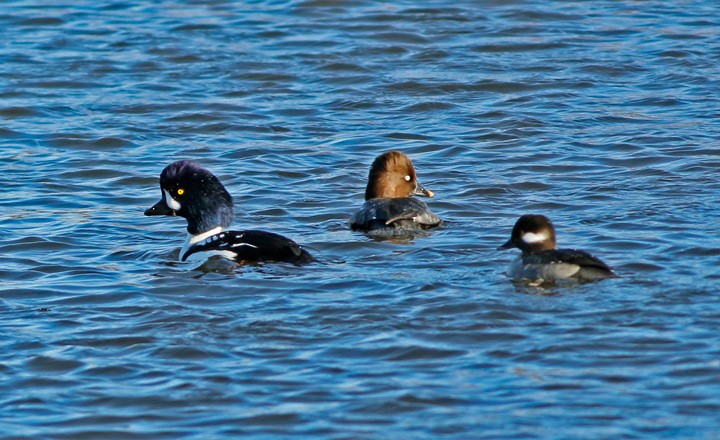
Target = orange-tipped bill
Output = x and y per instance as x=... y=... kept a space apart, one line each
x=420 y=191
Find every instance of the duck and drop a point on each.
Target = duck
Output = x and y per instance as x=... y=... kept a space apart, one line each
x=190 y=191
x=389 y=205
x=541 y=260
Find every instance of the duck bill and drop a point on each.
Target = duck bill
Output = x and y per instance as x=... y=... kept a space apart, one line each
x=421 y=191
x=160 y=208
x=508 y=245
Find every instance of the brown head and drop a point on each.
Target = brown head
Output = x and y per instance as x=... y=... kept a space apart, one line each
x=393 y=175
x=532 y=233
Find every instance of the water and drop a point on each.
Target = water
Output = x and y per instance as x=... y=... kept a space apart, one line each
x=602 y=115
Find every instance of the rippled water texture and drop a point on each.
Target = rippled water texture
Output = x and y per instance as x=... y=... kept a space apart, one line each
x=602 y=115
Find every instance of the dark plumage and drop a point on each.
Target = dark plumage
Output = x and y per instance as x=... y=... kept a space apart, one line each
x=204 y=201
x=252 y=245
x=190 y=191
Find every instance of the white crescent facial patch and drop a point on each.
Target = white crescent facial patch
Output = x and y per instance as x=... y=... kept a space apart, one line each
x=531 y=237
x=172 y=203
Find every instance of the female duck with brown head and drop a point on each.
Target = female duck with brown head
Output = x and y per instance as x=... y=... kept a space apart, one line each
x=541 y=260
x=389 y=205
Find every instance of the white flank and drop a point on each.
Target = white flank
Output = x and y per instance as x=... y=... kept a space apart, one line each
x=172 y=203
x=243 y=244
x=531 y=237
x=201 y=257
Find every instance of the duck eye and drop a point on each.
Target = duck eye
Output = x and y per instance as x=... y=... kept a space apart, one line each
x=407 y=178
x=180 y=191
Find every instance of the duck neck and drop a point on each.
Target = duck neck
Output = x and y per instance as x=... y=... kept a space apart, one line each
x=192 y=239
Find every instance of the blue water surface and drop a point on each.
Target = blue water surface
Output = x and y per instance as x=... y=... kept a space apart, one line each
x=601 y=115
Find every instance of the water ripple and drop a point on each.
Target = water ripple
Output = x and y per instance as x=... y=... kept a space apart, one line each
x=602 y=116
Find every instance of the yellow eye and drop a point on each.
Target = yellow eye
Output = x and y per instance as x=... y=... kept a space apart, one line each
x=181 y=191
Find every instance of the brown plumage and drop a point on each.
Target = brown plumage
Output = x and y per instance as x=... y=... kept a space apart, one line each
x=392 y=175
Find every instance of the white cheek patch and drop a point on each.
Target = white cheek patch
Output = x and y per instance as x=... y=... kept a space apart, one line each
x=531 y=237
x=172 y=203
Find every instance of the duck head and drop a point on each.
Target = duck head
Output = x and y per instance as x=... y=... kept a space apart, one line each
x=532 y=233
x=190 y=191
x=392 y=175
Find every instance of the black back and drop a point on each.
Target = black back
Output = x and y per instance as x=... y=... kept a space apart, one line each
x=253 y=245
x=394 y=213
x=570 y=256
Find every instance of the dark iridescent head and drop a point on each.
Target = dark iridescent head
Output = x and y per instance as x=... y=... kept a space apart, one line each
x=190 y=191
x=532 y=233
x=393 y=175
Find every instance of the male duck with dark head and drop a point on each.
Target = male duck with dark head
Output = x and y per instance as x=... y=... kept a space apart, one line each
x=534 y=235
x=194 y=193
x=389 y=204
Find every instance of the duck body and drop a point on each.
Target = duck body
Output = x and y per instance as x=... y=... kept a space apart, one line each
x=560 y=264
x=402 y=213
x=244 y=246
